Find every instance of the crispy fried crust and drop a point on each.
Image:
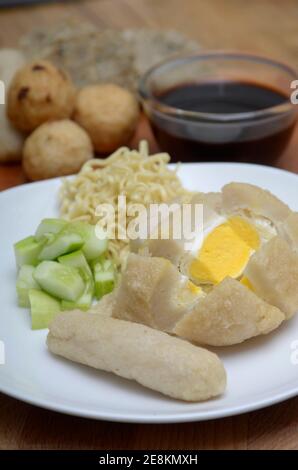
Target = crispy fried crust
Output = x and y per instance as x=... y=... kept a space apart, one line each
x=228 y=315
x=149 y=293
x=241 y=196
x=273 y=273
x=152 y=358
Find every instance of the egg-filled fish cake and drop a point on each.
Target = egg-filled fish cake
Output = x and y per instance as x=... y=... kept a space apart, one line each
x=242 y=268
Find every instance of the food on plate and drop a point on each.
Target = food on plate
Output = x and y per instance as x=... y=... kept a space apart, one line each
x=288 y=230
x=44 y=308
x=27 y=250
x=56 y=148
x=101 y=55
x=59 y=280
x=154 y=359
x=230 y=314
x=132 y=173
x=153 y=292
x=104 y=277
x=234 y=279
x=49 y=226
x=11 y=141
x=173 y=248
x=232 y=231
x=255 y=201
x=108 y=113
x=105 y=306
x=273 y=273
x=65 y=261
x=225 y=251
x=244 y=273
x=39 y=92
x=25 y=282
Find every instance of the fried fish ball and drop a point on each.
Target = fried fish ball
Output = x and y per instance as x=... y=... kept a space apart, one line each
x=152 y=358
x=55 y=149
x=109 y=114
x=39 y=92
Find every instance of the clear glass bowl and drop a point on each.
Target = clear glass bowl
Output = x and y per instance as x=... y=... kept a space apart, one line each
x=190 y=133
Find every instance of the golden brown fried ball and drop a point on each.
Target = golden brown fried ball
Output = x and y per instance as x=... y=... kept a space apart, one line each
x=39 y=92
x=109 y=114
x=55 y=149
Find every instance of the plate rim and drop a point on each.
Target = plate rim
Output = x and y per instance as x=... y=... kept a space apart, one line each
x=178 y=165
x=173 y=417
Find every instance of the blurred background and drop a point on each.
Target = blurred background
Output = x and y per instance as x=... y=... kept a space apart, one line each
x=96 y=40
x=266 y=26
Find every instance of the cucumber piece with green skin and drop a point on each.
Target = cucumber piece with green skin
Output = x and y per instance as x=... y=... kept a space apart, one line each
x=63 y=242
x=25 y=281
x=76 y=259
x=27 y=251
x=100 y=260
x=84 y=302
x=49 y=226
x=104 y=278
x=44 y=308
x=58 y=280
x=93 y=245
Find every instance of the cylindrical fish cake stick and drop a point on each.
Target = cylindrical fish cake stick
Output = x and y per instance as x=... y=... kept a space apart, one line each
x=154 y=359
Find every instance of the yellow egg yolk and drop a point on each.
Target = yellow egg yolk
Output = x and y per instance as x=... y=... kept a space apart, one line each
x=246 y=282
x=193 y=288
x=225 y=251
x=189 y=292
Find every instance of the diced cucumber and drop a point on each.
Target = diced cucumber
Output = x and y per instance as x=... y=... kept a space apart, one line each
x=59 y=280
x=98 y=261
x=104 y=278
x=108 y=265
x=25 y=281
x=62 y=243
x=93 y=245
x=27 y=251
x=44 y=308
x=47 y=226
x=84 y=302
x=104 y=283
x=76 y=259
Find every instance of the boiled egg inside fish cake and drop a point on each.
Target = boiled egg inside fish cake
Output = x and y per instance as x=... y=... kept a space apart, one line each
x=236 y=222
x=228 y=243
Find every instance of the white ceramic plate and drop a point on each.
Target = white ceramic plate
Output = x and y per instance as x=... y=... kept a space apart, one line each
x=260 y=371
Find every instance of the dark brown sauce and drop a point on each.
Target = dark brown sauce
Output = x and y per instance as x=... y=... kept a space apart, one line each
x=257 y=141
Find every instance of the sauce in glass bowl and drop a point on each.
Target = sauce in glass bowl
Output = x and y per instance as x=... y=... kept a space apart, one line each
x=222 y=117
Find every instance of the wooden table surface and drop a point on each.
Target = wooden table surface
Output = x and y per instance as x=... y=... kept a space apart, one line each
x=264 y=26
